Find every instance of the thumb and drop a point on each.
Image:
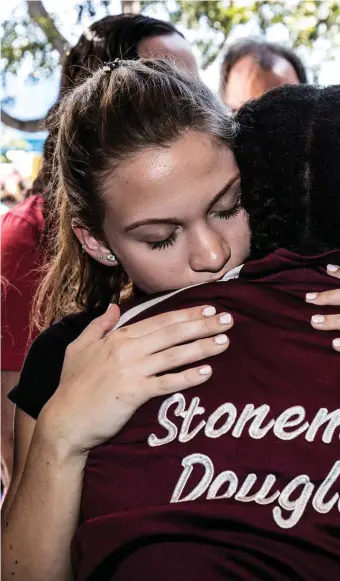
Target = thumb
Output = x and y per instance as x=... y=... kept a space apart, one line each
x=98 y=328
x=111 y=317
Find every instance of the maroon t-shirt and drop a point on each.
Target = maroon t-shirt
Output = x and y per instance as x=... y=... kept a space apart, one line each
x=239 y=478
x=21 y=256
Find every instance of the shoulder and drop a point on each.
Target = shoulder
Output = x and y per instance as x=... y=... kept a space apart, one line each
x=24 y=222
x=29 y=211
x=22 y=226
x=41 y=372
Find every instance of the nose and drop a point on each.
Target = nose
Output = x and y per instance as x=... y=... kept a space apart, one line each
x=210 y=252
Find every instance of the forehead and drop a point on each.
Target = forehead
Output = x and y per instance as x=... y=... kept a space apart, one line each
x=247 y=80
x=163 y=181
x=170 y=47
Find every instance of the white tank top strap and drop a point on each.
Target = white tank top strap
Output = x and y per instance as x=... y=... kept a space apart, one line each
x=128 y=315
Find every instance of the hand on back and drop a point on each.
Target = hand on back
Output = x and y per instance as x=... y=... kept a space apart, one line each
x=332 y=297
x=106 y=376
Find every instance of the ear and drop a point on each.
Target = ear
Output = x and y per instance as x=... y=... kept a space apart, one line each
x=95 y=248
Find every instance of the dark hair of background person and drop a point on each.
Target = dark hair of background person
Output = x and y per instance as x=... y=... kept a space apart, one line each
x=105 y=121
x=105 y=40
x=264 y=53
x=287 y=149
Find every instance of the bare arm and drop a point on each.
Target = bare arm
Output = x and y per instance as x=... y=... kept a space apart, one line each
x=8 y=380
x=23 y=431
x=41 y=512
x=43 y=501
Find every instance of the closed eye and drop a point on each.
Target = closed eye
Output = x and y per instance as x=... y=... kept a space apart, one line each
x=226 y=214
x=161 y=244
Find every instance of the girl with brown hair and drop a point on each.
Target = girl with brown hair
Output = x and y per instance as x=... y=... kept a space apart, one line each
x=26 y=228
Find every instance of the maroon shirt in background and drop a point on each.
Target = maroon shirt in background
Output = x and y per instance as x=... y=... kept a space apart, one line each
x=129 y=529
x=21 y=257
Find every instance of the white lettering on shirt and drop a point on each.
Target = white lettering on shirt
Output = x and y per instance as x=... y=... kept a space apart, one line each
x=227 y=421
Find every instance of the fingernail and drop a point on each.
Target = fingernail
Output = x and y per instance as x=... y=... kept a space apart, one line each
x=209 y=311
x=311 y=296
x=336 y=343
x=332 y=268
x=225 y=319
x=221 y=339
x=205 y=370
x=318 y=319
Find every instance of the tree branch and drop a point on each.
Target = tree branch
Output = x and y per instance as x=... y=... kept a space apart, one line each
x=39 y=14
x=32 y=125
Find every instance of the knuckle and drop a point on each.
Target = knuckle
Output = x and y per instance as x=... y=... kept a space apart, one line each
x=172 y=357
x=209 y=324
x=324 y=298
x=163 y=383
x=331 y=322
x=201 y=349
x=196 y=313
x=101 y=323
x=191 y=314
x=97 y=323
x=164 y=319
x=334 y=322
x=186 y=378
x=118 y=353
x=174 y=334
x=116 y=347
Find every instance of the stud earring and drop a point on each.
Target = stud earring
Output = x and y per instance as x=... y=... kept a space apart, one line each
x=111 y=258
x=101 y=257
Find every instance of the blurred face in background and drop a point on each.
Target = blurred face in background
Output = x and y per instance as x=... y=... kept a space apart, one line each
x=248 y=80
x=172 y=47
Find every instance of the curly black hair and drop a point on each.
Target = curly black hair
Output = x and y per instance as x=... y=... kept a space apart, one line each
x=288 y=152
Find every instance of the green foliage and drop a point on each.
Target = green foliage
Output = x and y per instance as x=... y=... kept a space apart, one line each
x=306 y=20
x=22 y=37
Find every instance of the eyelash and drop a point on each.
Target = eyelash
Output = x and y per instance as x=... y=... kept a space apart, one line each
x=163 y=243
x=226 y=214
x=223 y=215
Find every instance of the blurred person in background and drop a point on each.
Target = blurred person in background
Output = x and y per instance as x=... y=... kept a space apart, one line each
x=8 y=200
x=3 y=208
x=12 y=188
x=252 y=67
x=22 y=251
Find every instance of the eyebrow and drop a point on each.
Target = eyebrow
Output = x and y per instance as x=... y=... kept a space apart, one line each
x=175 y=221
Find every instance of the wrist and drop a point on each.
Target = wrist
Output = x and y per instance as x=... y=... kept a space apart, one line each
x=51 y=435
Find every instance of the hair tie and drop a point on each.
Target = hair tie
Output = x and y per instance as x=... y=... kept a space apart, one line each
x=112 y=65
